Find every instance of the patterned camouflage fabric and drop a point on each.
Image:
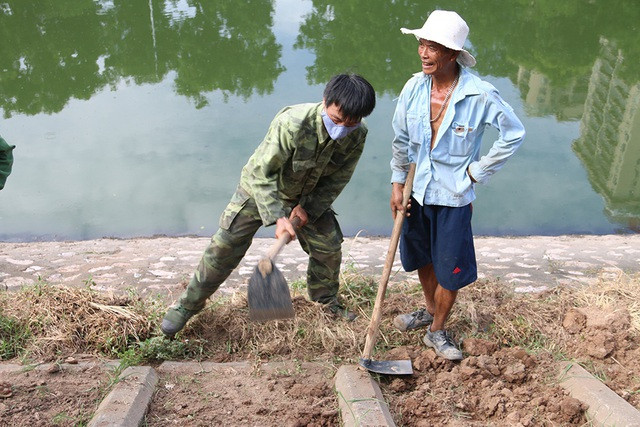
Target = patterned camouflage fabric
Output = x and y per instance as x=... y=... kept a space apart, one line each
x=6 y=161
x=296 y=163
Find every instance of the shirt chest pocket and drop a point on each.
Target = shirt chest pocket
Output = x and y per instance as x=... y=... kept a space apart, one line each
x=335 y=163
x=300 y=165
x=303 y=159
x=300 y=168
x=296 y=172
x=461 y=143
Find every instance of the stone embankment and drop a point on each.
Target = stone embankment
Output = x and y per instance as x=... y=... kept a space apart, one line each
x=162 y=265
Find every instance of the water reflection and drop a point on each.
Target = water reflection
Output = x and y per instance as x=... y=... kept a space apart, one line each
x=44 y=64
x=550 y=50
x=610 y=131
x=53 y=52
x=588 y=73
x=571 y=66
x=370 y=44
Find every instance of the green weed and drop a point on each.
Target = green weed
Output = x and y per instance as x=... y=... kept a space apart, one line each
x=14 y=336
x=156 y=349
x=298 y=286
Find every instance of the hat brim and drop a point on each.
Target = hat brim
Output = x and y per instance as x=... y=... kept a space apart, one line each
x=464 y=58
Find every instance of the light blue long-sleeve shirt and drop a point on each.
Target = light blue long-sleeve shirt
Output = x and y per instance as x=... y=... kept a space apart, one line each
x=441 y=173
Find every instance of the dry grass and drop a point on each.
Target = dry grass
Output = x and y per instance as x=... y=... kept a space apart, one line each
x=226 y=328
x=66 y=320
x=614 y=291
x=533 y=321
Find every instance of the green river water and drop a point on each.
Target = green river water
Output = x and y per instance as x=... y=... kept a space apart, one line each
x=134 y=118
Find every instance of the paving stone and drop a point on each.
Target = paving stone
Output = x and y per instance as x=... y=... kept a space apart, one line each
x=162 y=266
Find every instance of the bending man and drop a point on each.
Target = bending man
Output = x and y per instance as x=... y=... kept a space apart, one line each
x=302 y=165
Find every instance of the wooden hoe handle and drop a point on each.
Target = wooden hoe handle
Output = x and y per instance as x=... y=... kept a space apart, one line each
x=372 y=330
x=264 y=265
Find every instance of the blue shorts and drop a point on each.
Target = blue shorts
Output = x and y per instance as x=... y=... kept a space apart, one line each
x=440 y=235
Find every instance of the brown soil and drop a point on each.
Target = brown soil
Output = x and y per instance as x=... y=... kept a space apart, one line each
x=512 y=345
x=53 y=394
x=288 y=394
x=497 y=385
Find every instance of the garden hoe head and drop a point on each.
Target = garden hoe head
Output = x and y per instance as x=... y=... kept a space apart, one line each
x=387 y=367
x=268 y=294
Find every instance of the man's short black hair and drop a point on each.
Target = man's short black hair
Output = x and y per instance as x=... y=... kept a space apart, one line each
x=352 y=93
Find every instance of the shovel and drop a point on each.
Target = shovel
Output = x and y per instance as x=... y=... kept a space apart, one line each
x=388 y=367
x=268 y=294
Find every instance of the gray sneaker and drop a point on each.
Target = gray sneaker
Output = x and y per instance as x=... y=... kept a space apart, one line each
x=175 y=319
x=415 y=320
x=443 y=344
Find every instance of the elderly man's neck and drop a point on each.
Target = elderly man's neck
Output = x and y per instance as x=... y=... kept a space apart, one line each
x=444 y=78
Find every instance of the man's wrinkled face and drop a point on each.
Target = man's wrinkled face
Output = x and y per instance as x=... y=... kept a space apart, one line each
x=435 y=57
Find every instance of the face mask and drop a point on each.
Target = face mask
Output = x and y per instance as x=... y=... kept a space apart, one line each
x=336 y=131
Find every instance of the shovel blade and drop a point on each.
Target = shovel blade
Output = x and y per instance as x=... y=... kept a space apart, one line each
x=388 y=367
x=268 y=296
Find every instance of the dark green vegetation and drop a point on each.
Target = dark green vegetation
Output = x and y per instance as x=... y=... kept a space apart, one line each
x=230 y=46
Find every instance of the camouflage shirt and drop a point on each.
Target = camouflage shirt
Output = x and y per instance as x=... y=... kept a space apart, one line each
x=6 y=161
x=298 y=163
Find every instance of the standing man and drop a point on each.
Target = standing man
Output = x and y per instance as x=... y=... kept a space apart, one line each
x=6 y=161
x=305 y=160
x=438 y=123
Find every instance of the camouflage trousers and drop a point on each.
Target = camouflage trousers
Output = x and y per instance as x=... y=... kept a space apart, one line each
x=321 y=240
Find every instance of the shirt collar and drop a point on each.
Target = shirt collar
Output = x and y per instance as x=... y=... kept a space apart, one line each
x=323 y=135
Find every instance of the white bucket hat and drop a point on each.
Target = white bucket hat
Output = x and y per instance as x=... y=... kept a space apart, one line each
x=448 y=29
